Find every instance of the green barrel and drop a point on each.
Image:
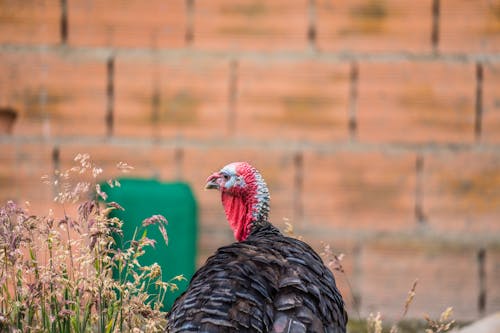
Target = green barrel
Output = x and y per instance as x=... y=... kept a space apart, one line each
x=142 y=198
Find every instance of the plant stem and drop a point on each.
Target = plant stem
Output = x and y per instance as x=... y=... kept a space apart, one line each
x=70 y=250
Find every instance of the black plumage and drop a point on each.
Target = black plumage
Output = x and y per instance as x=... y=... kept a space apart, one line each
x=265 y=283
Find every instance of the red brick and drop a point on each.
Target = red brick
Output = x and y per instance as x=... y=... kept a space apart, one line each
x=131 y=23
x=416 y=102
x=147 y=161
x=7 y=171
x=192 y=98
x=302 y=100
x=491 y=107
x=54 y=95
x=447 y=276
x=30 y=21
x=210 y=239
x=359 y=191
x=20 y=88
x=374 y=25
x=492 y=270
x=461 y=192
x=469 y=26
x=78 y=92
x=254 y=25
x=21 y=171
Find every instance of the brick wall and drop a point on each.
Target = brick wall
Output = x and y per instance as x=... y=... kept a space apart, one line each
x=375 y=123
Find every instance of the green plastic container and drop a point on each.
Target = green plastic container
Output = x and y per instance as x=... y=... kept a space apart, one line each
x=142 y=198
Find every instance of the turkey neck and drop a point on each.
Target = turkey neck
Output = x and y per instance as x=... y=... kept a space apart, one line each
x=238 y=215
x=245 y=212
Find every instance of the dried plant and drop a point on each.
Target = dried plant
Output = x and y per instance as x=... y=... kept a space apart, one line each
x=443 y=324
x=289 y=230
x=374 y=323
x=333 y=260
x=409 y=299
x=66 y=274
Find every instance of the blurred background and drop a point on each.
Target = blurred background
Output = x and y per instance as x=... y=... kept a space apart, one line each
x=376 y=124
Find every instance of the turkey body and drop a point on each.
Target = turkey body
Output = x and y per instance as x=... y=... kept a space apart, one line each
x=266 y=283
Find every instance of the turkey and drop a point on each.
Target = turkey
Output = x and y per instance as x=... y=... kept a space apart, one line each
x=264 y=282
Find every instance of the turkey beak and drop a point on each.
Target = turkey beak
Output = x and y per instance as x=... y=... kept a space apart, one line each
x=213 y=182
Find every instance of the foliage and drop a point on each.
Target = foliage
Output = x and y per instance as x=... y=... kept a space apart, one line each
x=56 y=274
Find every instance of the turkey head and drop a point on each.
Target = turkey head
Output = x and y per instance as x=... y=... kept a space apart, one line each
x=244 y=196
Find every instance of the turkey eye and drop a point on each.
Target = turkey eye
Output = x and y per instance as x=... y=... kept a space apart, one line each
x=226 y=177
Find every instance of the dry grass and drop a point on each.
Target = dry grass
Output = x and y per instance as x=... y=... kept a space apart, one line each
x=374 y=322
x=64 y=274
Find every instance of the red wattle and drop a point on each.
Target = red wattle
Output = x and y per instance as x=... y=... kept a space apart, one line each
x=237 y=214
